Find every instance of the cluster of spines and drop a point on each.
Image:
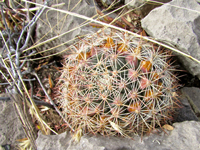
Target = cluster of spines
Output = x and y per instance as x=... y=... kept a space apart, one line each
x=116 y=84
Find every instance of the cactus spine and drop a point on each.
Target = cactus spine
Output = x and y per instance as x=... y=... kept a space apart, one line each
x=116 y=83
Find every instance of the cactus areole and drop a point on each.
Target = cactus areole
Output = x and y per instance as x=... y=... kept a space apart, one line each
x=114 y=83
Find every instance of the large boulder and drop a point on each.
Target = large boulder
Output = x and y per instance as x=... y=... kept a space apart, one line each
x=178 y=22
x=186 y=135
x=53 y=23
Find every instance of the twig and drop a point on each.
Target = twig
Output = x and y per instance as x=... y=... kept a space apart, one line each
x=43 y=103
x=23 y=80
x=51 y=101
x=18 y=51
x=31 y=27
x=36 y=101
x=4 y=98
x=13 y=79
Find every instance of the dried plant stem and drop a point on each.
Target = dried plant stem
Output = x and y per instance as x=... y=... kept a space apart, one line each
x=114 y=27
x=51 y=101
x=28 y=128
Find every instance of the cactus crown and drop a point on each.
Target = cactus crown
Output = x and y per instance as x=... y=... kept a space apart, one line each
x=116 y=83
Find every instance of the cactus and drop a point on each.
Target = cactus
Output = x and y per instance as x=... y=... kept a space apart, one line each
x=114 y=83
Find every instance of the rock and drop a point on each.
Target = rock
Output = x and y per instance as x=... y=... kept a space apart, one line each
x=11 y=128
x=186 y=135
x=185 y=113
x=53 y=23
x=179 y=26
x=143 y=9
x=193 y=96
x=106 y=3
x=198 y=1
x=52 y=142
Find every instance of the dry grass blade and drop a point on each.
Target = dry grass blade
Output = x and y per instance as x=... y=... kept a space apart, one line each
x=28 y=128
x=24 y=144
x=117 y=28
x=77 y=135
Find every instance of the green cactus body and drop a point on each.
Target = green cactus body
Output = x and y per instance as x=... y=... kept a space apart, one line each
x=116 y=83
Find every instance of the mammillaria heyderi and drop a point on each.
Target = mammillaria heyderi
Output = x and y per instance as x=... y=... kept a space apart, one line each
x=113 y=82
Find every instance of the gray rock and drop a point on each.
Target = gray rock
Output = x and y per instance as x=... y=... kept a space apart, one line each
x=106 y=3
x=185 y=113
x=193 y=96
x=11 y=128
x=186 y=135
x=179 y=26
x=53 y=23
x=198 y=1
x=143 y=9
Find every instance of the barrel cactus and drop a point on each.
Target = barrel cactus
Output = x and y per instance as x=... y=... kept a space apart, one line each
x=114 y=83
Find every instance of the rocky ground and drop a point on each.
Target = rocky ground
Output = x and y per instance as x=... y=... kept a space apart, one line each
x=184 y=136
x=177 y=23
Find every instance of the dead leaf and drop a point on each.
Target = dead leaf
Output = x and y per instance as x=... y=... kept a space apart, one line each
x=51 y=82
x=168 y=127
x=21 y=140
x=128 y=18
